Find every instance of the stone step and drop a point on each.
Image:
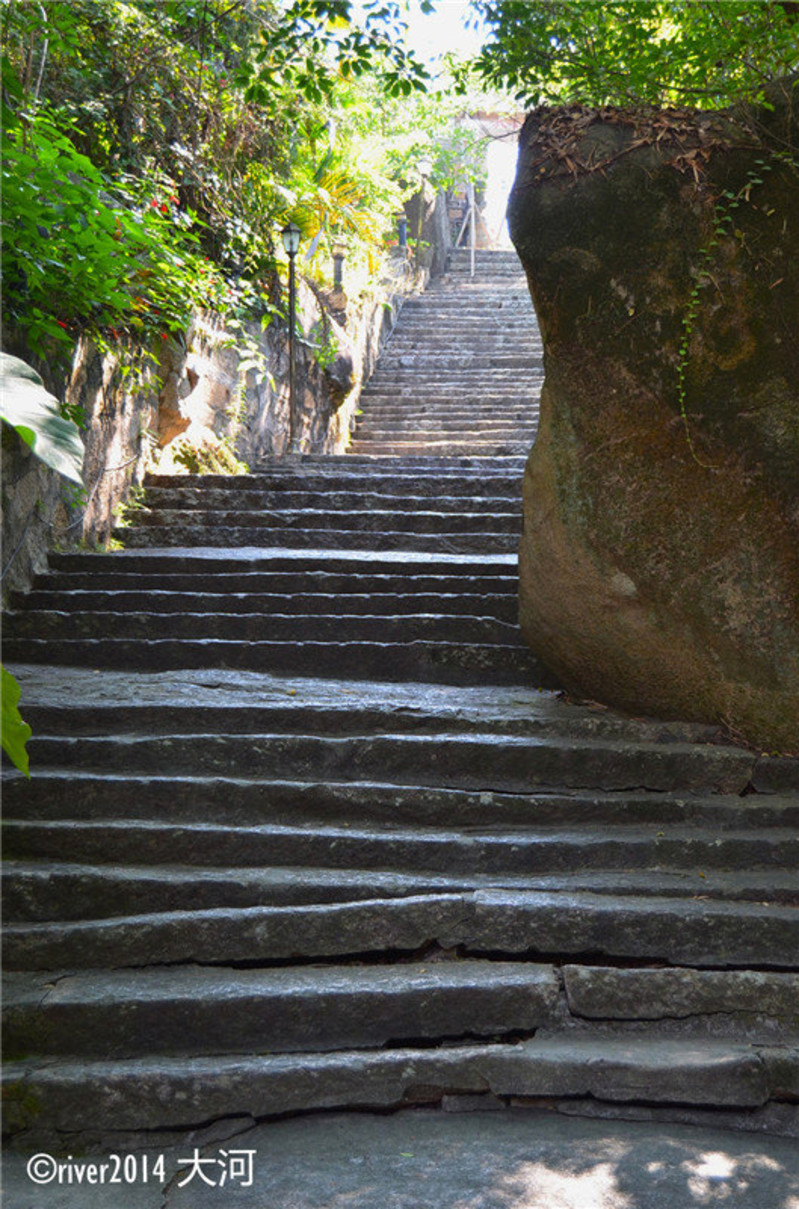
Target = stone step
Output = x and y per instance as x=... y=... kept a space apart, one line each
x=476 y=760
x=529 y=851
x=438 y=447
x=252 y=627
x=209 y=562
x=442 y=430
x=516 y=853
x=470 y=395
x=460 y=360
x=422 y=477
x=499 y=341
x=39 y=897
x=448 y=663
x=375 y=604
x=450 y=407
x=293 y=501
x=120 y=1014
x=495 y=421
x=428 y=517
x=157 y=1092
x=295 y=583
x=237 y=801
x=193 y=536
x=534 y=924
x=423 y=374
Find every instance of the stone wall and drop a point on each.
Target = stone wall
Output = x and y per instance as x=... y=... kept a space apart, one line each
x=660 y=553
x=193 y=404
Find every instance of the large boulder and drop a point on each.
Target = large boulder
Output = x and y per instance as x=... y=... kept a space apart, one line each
x=660 y=553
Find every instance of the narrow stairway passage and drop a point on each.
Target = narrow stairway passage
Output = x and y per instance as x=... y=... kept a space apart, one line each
x=310 y=828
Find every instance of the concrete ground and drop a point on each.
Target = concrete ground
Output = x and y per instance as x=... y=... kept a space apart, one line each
x=513 y=1159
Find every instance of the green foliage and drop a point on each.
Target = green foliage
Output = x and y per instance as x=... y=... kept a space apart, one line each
x=34 y=413
x=152 y=151
x=710 y=53
x=14 y=733
x=317 y=43
x=81 y=252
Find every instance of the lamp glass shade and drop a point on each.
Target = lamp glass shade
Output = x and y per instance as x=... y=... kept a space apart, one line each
x=339 y=249
x=291 y=238
x=425 y=167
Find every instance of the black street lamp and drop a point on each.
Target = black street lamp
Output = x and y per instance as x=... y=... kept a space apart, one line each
x=291 y=242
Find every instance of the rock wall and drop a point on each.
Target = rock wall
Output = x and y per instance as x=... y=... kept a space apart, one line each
x=207 y=400
x=660 y=553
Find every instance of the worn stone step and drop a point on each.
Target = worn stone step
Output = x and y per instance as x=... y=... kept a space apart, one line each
x=472 y=759
x=119 y=1014
x=40 y=897
x=238 y=801
x=538 y=924
x=459 y=360
x=291 y=501
x=444 y=392
x=156 y=1091
x=424 y=519
x=212 y=564
x=499 y=422
x=497 y=341
x=424 y=480
x=427 y=410
x=308 y=582
x=277 y=538
x=516 y=852
x=154 y=601
x=436 y=447
x=612 y=994
x=448 y=662
x=255 y=627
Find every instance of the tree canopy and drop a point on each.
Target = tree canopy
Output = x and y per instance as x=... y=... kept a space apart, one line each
x=152 y=151
x=707 y=53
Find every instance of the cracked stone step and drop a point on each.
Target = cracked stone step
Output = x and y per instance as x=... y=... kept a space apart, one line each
x=516 y=852
x=473 y=760
x=613 y=994
x=40 y=898
x=535 y=925
x=116 y=1014
x=539 y=924
x=240 y=801
x=416 y=660
x=158 y=1091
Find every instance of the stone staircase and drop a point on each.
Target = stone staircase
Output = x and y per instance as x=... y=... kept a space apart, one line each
x=462 y=372
x=305 y=833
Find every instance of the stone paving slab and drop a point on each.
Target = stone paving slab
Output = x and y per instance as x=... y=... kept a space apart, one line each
x=420 y=1159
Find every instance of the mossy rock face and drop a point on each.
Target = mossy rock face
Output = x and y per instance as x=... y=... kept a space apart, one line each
x=660 y=554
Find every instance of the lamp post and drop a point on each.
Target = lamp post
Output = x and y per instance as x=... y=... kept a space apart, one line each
x=291 y=242
x=339 y=252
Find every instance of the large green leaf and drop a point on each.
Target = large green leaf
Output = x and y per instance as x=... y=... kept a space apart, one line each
x=33 y=412
x=14 y=733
